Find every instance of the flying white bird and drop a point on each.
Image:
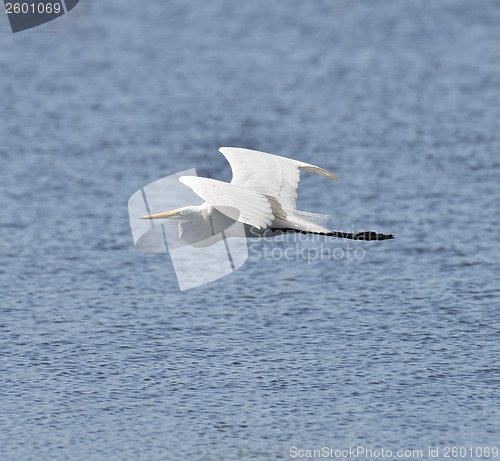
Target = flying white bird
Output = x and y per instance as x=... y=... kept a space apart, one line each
x=262 y=195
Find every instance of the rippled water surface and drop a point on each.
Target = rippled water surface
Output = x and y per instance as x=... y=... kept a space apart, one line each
x=103 y=358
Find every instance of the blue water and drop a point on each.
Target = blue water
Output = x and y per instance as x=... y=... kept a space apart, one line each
x=103 y=358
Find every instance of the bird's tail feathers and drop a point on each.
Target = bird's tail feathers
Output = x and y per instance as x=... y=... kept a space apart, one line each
x=316 y=218
x=305 y=221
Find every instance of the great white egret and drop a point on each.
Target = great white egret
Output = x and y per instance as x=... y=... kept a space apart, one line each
x=262 y=195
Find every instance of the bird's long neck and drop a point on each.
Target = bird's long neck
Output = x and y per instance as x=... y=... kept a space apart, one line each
x=366 y=235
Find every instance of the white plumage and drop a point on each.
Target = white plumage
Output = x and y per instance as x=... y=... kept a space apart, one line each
x=262 y=195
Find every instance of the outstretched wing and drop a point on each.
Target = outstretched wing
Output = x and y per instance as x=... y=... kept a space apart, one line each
x=269 y=174
x=239 y=203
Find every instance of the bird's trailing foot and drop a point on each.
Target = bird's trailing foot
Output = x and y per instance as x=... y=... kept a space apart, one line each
x=366 y=235
x=370 y=235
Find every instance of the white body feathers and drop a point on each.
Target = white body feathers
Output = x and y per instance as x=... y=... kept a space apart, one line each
x=262 y=192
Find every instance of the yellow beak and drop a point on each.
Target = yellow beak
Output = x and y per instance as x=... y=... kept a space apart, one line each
x=165 y=215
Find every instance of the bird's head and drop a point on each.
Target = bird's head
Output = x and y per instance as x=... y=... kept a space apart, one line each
x=182 y=214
